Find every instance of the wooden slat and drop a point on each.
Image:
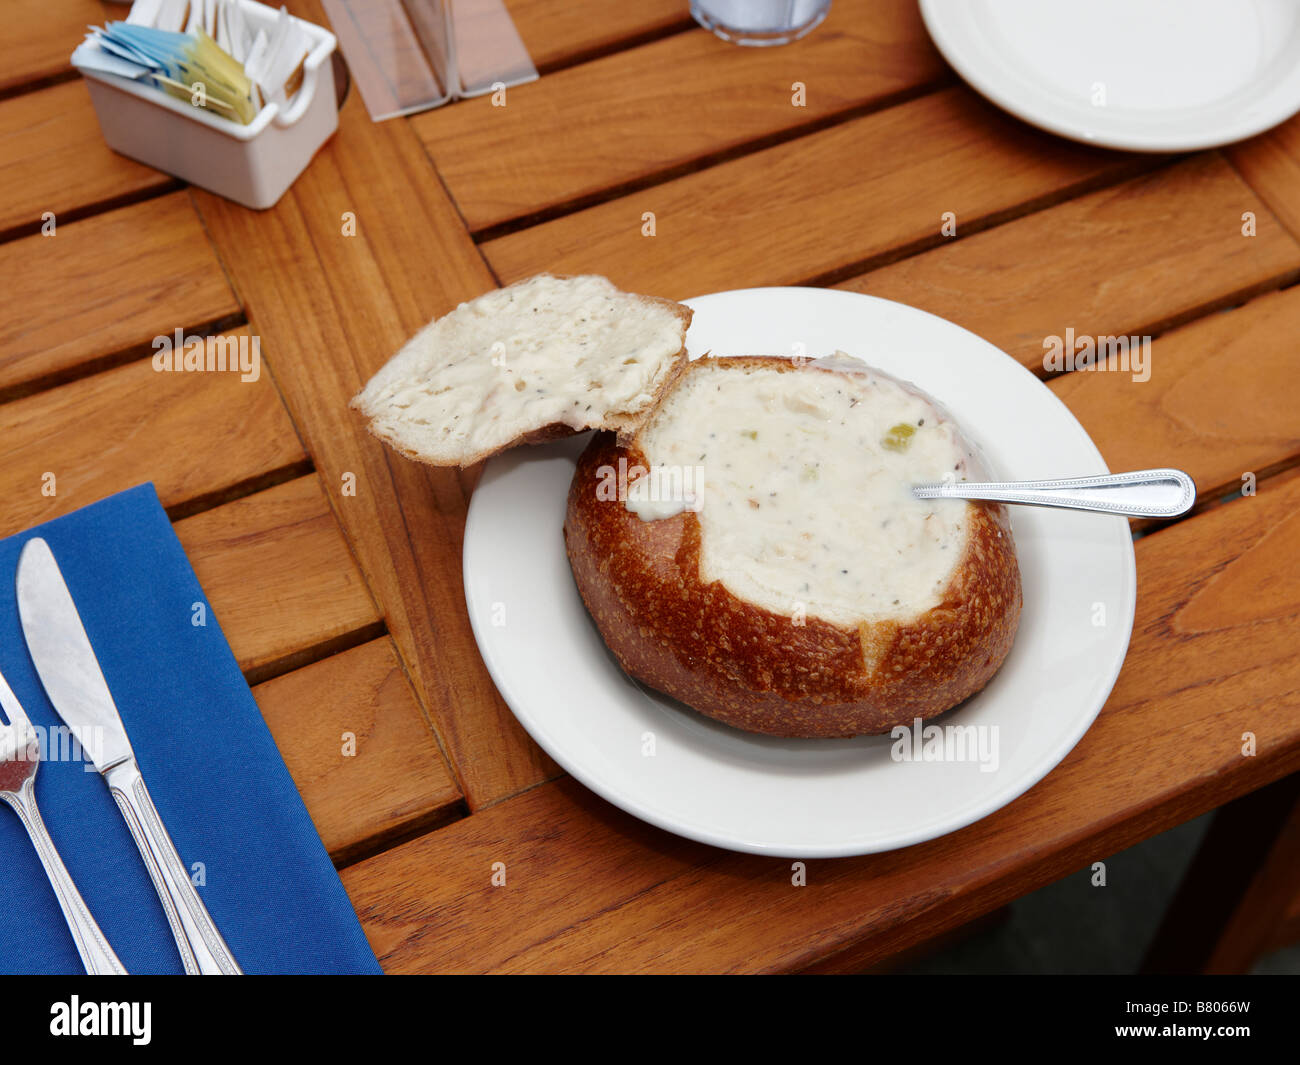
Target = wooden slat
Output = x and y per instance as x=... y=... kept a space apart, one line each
x=194 y=435
x=459 y=922
x=104 y=285
x=332 y=309
x=589 y=888
x=657 y=108
x=40 y=36
x=847 y=962
x=1234 y=893
x=279 y=576
x=1288 y=930
x=1125 y=260
x=873 y=187
x=1271 y=164
x=1220 y=402
x=561 y=33
x=392 y=780
x=53 y=158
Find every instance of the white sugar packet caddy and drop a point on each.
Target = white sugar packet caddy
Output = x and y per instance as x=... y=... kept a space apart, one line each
x=254 y=164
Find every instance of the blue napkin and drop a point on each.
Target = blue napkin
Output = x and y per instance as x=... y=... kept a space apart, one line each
x=210 y=763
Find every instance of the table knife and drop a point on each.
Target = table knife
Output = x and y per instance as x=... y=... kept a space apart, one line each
x=75 y=684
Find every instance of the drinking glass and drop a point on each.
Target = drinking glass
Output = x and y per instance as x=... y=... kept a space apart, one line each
x=760 y=22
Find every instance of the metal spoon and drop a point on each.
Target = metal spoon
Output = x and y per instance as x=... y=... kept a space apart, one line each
x=1140 y=494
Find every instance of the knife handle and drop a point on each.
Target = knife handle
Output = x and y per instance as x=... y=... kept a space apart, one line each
x=202 y=949
x=96 y=954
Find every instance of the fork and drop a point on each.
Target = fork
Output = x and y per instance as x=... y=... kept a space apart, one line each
x=20 y=754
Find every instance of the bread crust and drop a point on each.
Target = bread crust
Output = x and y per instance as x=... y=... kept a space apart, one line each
x=763 y=672
x=625 y=423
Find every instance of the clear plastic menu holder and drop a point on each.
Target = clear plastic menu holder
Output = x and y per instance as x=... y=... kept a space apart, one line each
x=411 y=55
x=489 y=50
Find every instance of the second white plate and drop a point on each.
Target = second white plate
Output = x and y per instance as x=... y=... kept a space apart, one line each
x=1146 y=75
x=812 y=798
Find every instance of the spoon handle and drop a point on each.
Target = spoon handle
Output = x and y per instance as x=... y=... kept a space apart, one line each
x=1140 y=494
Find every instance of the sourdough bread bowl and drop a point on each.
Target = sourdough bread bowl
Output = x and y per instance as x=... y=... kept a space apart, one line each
x=777 y=575
x=740 y=529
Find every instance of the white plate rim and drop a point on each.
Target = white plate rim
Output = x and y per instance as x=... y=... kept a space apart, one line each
x=944 y=33
x=536 y=728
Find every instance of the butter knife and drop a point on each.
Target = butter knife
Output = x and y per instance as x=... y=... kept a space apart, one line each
x=75 y=684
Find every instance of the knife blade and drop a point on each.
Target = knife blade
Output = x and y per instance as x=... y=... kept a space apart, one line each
x=68 y=668
x=66 y=663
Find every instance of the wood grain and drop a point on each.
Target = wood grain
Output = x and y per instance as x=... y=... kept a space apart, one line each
x=195 y=435
x=279 y=577
x=1220 y=402
x=556 y=34
x=1271 y=165
x=53 y=158
x=830 y=202
x=655 y=109
x=1127 y=260
x=590 y=889
x=40 y=36
x=333 y=308
x=103 y=286
x=359 y=749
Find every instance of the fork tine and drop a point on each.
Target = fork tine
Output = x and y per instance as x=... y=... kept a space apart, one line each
x=12 y=707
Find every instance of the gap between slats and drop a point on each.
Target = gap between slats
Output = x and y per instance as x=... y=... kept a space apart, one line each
x=710 y=159
x=112 y=360
x=95 y=207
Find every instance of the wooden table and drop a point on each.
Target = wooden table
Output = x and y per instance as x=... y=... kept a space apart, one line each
x=345 y=605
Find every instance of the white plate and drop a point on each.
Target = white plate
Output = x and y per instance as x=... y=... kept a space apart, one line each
x=811 y=798
x=1176 y=74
